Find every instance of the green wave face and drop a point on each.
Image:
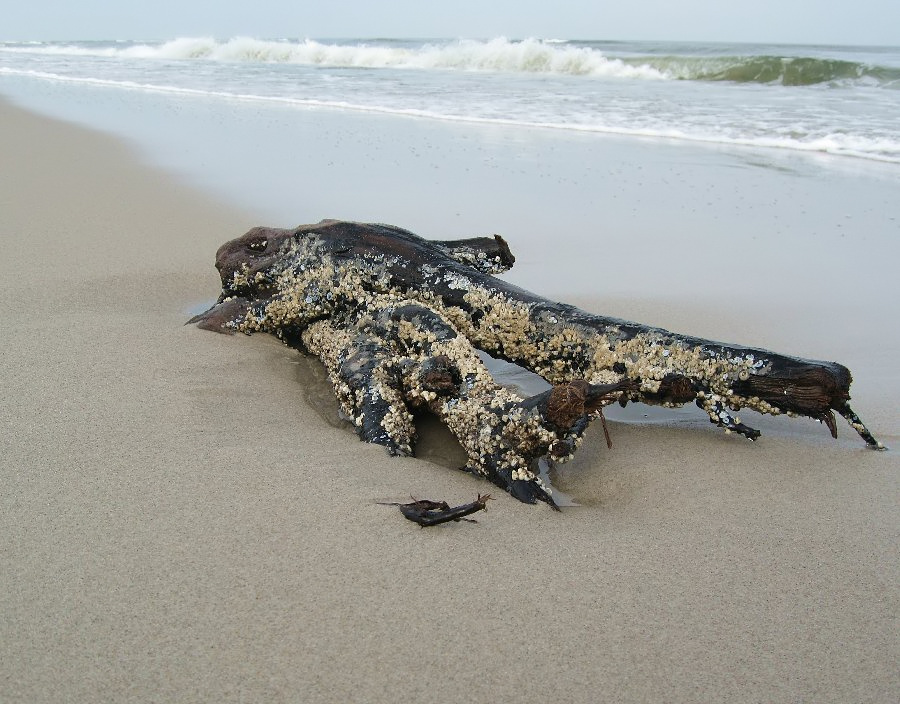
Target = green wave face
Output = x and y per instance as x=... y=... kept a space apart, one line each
x=788 y=71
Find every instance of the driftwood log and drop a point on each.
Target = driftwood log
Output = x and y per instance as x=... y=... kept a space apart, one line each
x=397 y=320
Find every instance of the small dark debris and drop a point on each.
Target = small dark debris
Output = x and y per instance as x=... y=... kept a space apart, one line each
x=432 y=513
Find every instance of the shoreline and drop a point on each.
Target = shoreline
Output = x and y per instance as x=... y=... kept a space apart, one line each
x=586 y=215
x=180 y=521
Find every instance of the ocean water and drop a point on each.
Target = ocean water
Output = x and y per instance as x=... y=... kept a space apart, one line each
x=828 y=99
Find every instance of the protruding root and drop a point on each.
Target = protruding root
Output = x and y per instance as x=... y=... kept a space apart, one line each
x=719 y=415
x=858 y=426
x=828 y=419
x=222 y=316
x=605 y=429
x=367 y=384
x=528 y=491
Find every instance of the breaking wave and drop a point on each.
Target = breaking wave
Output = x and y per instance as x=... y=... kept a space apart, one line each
x=527 y=56
x=783 y=70
x=551 y=56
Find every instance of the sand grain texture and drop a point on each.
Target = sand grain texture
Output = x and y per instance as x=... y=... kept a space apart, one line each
x=180 y=522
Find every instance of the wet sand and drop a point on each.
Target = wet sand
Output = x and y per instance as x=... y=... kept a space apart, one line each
x=183 y=519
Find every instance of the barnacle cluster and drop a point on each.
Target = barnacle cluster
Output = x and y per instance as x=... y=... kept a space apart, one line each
x=395 y=355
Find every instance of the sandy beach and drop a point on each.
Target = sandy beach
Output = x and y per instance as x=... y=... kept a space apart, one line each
x=184 y=518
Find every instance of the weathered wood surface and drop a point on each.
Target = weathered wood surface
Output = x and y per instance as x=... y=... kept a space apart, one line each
x=397 y=321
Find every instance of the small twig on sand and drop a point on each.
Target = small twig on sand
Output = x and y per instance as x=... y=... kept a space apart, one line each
x=432 y=513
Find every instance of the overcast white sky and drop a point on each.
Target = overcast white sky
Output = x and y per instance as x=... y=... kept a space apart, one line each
x=791 y=21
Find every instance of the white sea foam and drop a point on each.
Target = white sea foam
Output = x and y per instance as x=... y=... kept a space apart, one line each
x=882 y=149
x=500 y=54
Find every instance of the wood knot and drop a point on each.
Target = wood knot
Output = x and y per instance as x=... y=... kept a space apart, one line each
x=439 y=375
x=567 y=403
x=560 y=449
x=677 y=389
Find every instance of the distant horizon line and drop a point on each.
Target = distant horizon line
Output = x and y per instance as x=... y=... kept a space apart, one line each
x=348 y=38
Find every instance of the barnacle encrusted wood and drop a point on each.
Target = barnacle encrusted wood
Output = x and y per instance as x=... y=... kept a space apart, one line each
x=397 y=320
